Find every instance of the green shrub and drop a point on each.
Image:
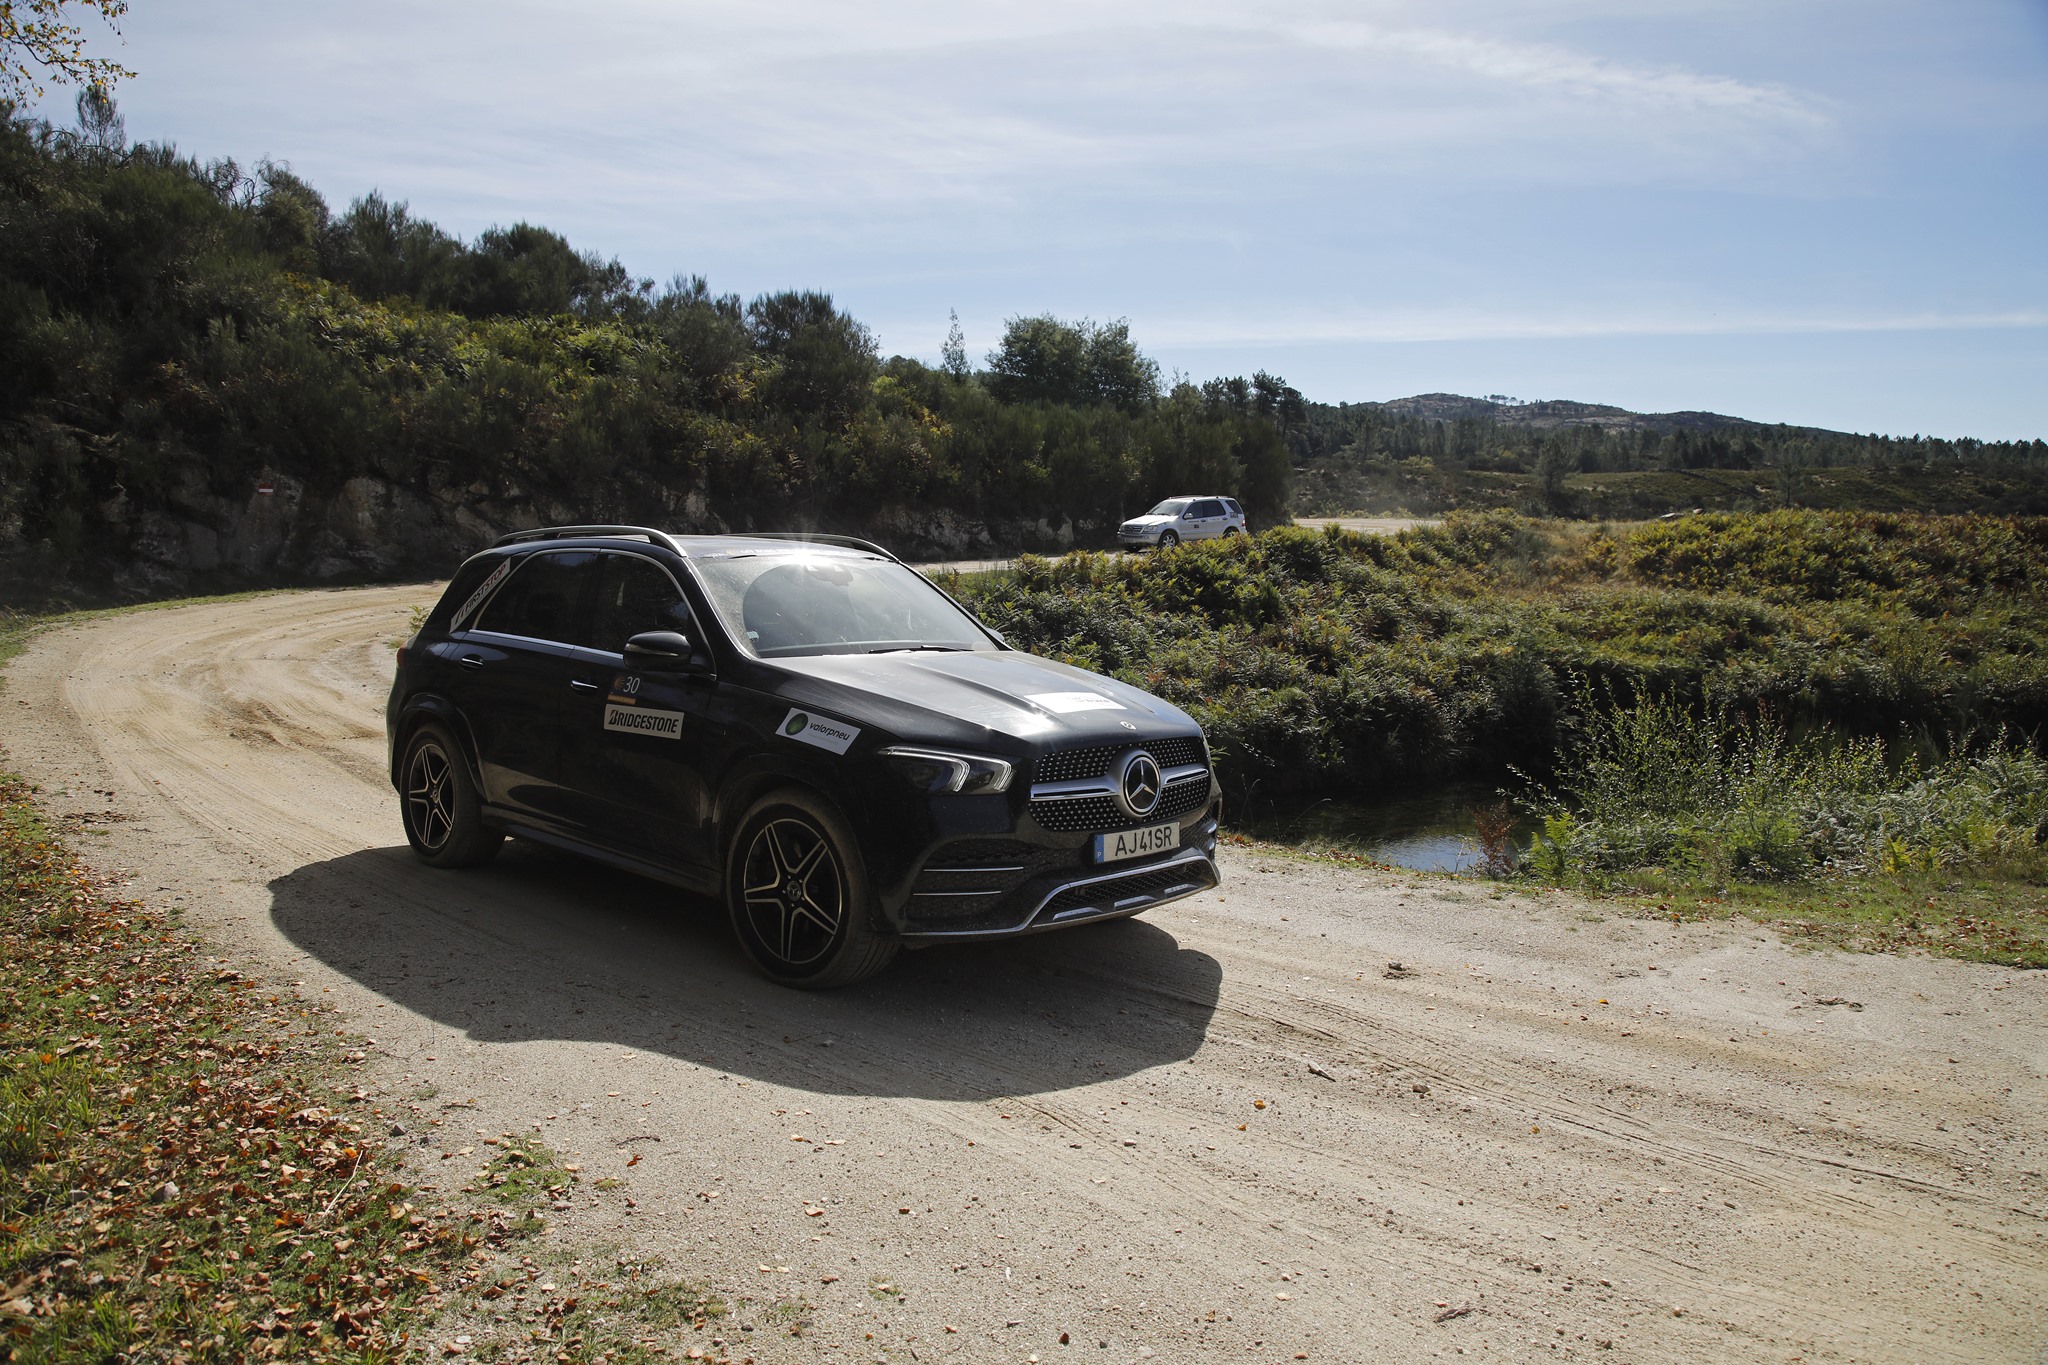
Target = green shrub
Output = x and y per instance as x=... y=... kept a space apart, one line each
x=1706 y=790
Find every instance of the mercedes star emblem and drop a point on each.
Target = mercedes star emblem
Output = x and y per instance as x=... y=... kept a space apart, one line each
x=1138 y=785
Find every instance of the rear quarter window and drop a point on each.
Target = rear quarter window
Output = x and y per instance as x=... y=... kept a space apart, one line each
x=472 y=576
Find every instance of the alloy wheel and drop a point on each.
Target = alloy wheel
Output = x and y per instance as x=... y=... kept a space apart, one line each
x=430 y=796
x=794 y=891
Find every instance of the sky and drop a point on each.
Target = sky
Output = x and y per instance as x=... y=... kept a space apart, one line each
x=1825 y=212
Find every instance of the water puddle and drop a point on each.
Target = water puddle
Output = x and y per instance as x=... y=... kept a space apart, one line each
x=1432 y=831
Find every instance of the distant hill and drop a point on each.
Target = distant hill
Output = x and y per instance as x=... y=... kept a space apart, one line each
x=1553 y=413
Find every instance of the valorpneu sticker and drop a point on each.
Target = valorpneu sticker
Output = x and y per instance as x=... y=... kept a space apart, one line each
x=808 y=727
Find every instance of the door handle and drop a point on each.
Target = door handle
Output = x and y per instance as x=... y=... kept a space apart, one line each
x=584 y=685
x=472 y=662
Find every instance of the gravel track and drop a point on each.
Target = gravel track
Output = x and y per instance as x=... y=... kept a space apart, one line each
x=1225 y=1131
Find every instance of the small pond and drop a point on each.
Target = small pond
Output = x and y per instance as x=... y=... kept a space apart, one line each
x=1431 y=831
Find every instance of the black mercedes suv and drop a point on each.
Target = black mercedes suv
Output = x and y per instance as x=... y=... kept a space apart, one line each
x=801 y=725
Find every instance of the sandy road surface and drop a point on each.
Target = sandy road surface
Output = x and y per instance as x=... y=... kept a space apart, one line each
x=1375 y=526
x=1588 y=1131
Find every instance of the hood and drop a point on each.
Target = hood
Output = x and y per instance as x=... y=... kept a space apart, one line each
x=1149 y=520
x=973 y=698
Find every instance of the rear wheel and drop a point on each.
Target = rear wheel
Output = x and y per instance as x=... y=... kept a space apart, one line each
x=1168 y=539
x=1230 y=530
x=443 y=817
x=798 y=895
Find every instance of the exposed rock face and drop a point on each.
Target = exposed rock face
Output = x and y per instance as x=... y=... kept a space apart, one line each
x=280 y=532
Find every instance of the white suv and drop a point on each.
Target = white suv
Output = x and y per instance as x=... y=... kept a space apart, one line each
x=1182 y=518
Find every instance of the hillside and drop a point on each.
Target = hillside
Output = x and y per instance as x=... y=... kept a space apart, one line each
x=1439 y=452
x=211 y=379
x=1550 y=414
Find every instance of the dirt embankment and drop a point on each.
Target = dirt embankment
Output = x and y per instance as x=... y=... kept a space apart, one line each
x=1229 y=1130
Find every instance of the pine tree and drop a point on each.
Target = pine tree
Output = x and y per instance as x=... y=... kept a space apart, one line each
x=953 y=356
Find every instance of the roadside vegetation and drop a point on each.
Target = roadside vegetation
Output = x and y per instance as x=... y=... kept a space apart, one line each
x=1783 y=702
x=1327 y=661
x=188 y=1175
x=1842 y=838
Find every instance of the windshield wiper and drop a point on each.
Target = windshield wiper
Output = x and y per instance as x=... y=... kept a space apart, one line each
x=912 y=649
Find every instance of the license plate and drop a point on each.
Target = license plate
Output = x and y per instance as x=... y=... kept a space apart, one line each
x=1136 y=843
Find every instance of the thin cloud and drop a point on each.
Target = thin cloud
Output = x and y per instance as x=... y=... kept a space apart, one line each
x=1550 y=67
x=1474 y=326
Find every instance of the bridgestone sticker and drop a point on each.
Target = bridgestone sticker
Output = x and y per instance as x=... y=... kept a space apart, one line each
x=807 y=727
x=1067 y=703
x=638 y=720
x=476 y=599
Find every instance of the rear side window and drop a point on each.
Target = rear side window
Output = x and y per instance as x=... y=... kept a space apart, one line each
x=542 y=600
x=1208 y=507
x=635 y=595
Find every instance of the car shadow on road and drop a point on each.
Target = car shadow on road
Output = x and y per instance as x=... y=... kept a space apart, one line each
x=542 y=945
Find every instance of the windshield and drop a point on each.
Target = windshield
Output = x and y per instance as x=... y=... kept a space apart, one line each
x=779 y=605
x=1172 y=507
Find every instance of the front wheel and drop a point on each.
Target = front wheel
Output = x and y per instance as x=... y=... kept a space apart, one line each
x=798 y=895
x=444 y=820
x=1168 y=539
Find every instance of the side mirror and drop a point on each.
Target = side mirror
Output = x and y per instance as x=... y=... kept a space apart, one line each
x=661 y=649
x=1188 y=515
x=1000 y=639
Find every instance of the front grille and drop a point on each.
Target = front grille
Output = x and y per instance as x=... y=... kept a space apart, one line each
x=1082 y=813
x=1179 y=753
x=1182 y=798
x=1073 y=765
x=1105 y=895
x=1097 y=813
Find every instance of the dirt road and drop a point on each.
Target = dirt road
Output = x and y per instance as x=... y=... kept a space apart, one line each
x=1228 y=1131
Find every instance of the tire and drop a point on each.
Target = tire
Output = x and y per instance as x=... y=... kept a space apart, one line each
x=798 y=894
x=438 y=801
x=1168 y=539
x=1229 y=531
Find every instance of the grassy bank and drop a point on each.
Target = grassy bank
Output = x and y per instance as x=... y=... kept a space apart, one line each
x=1710 y=812
x=1325 y=661
x=1827 y=721
x=181 y=1177
x=188 y=1172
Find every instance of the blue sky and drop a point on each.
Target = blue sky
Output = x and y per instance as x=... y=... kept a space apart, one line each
x=1812 y=211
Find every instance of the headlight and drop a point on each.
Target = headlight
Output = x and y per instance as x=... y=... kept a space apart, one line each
x=939 y=772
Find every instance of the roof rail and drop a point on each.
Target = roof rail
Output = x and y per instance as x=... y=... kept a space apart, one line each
x=850 y=542
x=650 y=535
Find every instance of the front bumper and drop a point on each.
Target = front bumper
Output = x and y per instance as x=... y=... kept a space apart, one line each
x=1027 y=883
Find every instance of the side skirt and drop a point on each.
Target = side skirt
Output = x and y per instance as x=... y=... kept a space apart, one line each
x=689 y=879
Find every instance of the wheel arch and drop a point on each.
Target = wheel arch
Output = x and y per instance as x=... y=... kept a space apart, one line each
x=419 y=710
x=756 y=779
